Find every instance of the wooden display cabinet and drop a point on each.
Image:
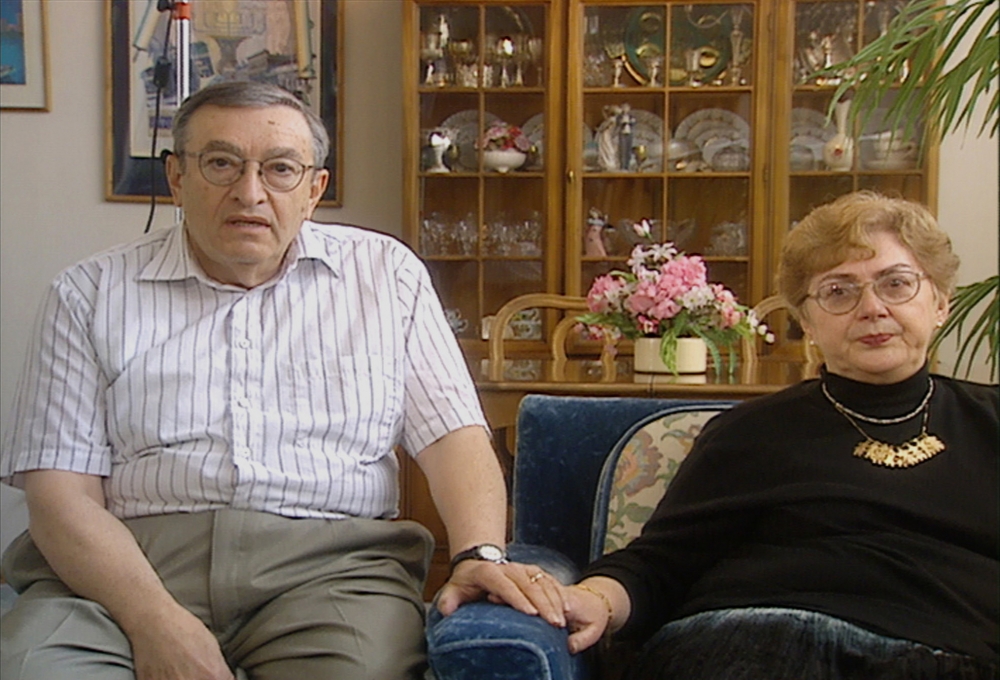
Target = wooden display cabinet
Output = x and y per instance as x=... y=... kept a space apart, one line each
x=486 y=235
x=727 y=121
x=812 y=33
x=707 y=118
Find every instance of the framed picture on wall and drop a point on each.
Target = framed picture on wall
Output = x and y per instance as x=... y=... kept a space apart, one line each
x=24 y=68
x=295 y=44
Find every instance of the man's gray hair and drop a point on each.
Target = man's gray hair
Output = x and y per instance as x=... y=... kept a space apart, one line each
x=253 y=95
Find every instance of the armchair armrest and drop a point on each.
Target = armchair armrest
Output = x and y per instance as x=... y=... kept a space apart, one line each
x=484 y=641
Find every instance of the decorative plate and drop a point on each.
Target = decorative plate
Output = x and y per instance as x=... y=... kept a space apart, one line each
x=717 y=133
x=811 y=123
x=534 y=130
x=718 y=116
x=643 y=39
x=466 y=132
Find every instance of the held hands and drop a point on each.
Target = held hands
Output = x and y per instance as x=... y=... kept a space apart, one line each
x=524 y=587
x=585 y=608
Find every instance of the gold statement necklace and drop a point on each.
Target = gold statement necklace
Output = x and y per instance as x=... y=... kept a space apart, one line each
x=904 y=455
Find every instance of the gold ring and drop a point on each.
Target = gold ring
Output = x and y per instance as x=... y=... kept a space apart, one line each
x=537 y=577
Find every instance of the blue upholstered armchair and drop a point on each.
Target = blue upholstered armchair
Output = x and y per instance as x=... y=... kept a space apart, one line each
x=588 y=471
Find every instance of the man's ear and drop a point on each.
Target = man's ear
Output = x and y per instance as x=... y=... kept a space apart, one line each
x=317 y=188
x=174 y=175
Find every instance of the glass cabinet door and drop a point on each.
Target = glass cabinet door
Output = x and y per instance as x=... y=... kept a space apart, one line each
x=663 y=126
x=479 y=196
x=818 y=156
x=825 y=157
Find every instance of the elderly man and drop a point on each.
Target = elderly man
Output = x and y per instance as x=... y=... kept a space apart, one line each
x=205 y=428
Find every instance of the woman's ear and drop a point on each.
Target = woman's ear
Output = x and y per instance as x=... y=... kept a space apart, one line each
x=943 y=306
x=803 y=319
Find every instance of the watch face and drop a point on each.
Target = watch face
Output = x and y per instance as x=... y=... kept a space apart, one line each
x=490 y=552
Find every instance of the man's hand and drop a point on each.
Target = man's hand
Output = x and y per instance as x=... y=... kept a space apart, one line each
x=96 y=555
x=524 y=587
x=177 y=647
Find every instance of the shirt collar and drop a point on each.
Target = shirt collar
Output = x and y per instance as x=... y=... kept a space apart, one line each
x=174 y=260
x=310 y=245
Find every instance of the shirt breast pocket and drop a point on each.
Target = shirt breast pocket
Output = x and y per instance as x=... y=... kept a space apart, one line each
x=354 y=403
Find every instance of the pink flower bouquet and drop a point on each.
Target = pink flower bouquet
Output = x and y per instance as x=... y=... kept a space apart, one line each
x=666 y=294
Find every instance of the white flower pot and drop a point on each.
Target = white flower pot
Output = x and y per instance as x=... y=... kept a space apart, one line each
x=692 y=356
x=503 y=160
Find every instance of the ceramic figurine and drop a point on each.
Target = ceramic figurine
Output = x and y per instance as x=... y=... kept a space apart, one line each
x=439 y=141
x=624 y=123
x=593 y=243
x=838 y=152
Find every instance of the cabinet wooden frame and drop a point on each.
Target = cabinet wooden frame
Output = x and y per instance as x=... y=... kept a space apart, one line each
x=479 y=192
x=769 y=193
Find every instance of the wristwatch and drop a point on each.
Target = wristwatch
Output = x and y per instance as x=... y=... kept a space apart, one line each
x=487 y=552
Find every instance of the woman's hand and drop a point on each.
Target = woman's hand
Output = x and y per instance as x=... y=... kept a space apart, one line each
x=525 y=587
x=594 y=606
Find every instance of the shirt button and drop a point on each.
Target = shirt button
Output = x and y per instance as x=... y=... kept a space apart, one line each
x=243 y=403
x=244 y=344
x=243 y=452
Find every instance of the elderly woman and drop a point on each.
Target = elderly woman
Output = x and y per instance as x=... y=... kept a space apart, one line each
x=846 y=527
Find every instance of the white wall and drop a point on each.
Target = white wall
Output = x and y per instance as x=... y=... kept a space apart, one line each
x=52 y=210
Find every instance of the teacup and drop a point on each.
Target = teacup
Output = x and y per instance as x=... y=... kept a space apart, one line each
x=893 y=145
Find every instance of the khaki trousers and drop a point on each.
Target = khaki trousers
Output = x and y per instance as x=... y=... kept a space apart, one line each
x=288 y=599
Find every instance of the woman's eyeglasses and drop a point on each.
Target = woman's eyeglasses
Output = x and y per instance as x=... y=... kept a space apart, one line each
x=893 y=288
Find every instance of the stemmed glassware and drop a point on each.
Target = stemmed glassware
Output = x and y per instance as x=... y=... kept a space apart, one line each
x=504 y=51
x=431 y=53
x=463 y=55
x=614 y=46
x=741 y=46
x=595 y=59
x=653 y=62
x=535 y=47
x=439 y=235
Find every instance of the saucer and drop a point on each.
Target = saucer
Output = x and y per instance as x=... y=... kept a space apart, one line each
x=891 y=164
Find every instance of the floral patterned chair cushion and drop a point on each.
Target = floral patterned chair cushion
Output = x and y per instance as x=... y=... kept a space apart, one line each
x=639 y=468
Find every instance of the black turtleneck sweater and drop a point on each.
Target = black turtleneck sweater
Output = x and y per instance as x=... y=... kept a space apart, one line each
x=772 y=509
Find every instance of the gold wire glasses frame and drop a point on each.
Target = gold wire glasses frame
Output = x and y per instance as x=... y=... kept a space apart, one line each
x=224 y=169
x=893 y=288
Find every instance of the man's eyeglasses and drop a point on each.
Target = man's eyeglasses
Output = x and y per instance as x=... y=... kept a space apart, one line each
x=222 y=168
x=893 y=288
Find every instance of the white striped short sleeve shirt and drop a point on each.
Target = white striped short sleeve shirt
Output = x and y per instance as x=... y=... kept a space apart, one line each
x=188 y=395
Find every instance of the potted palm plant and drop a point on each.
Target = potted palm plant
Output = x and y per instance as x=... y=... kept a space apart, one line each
x=918 y=60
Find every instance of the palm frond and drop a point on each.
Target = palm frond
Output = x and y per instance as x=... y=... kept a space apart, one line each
x=984 y=330
x=911 y=61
